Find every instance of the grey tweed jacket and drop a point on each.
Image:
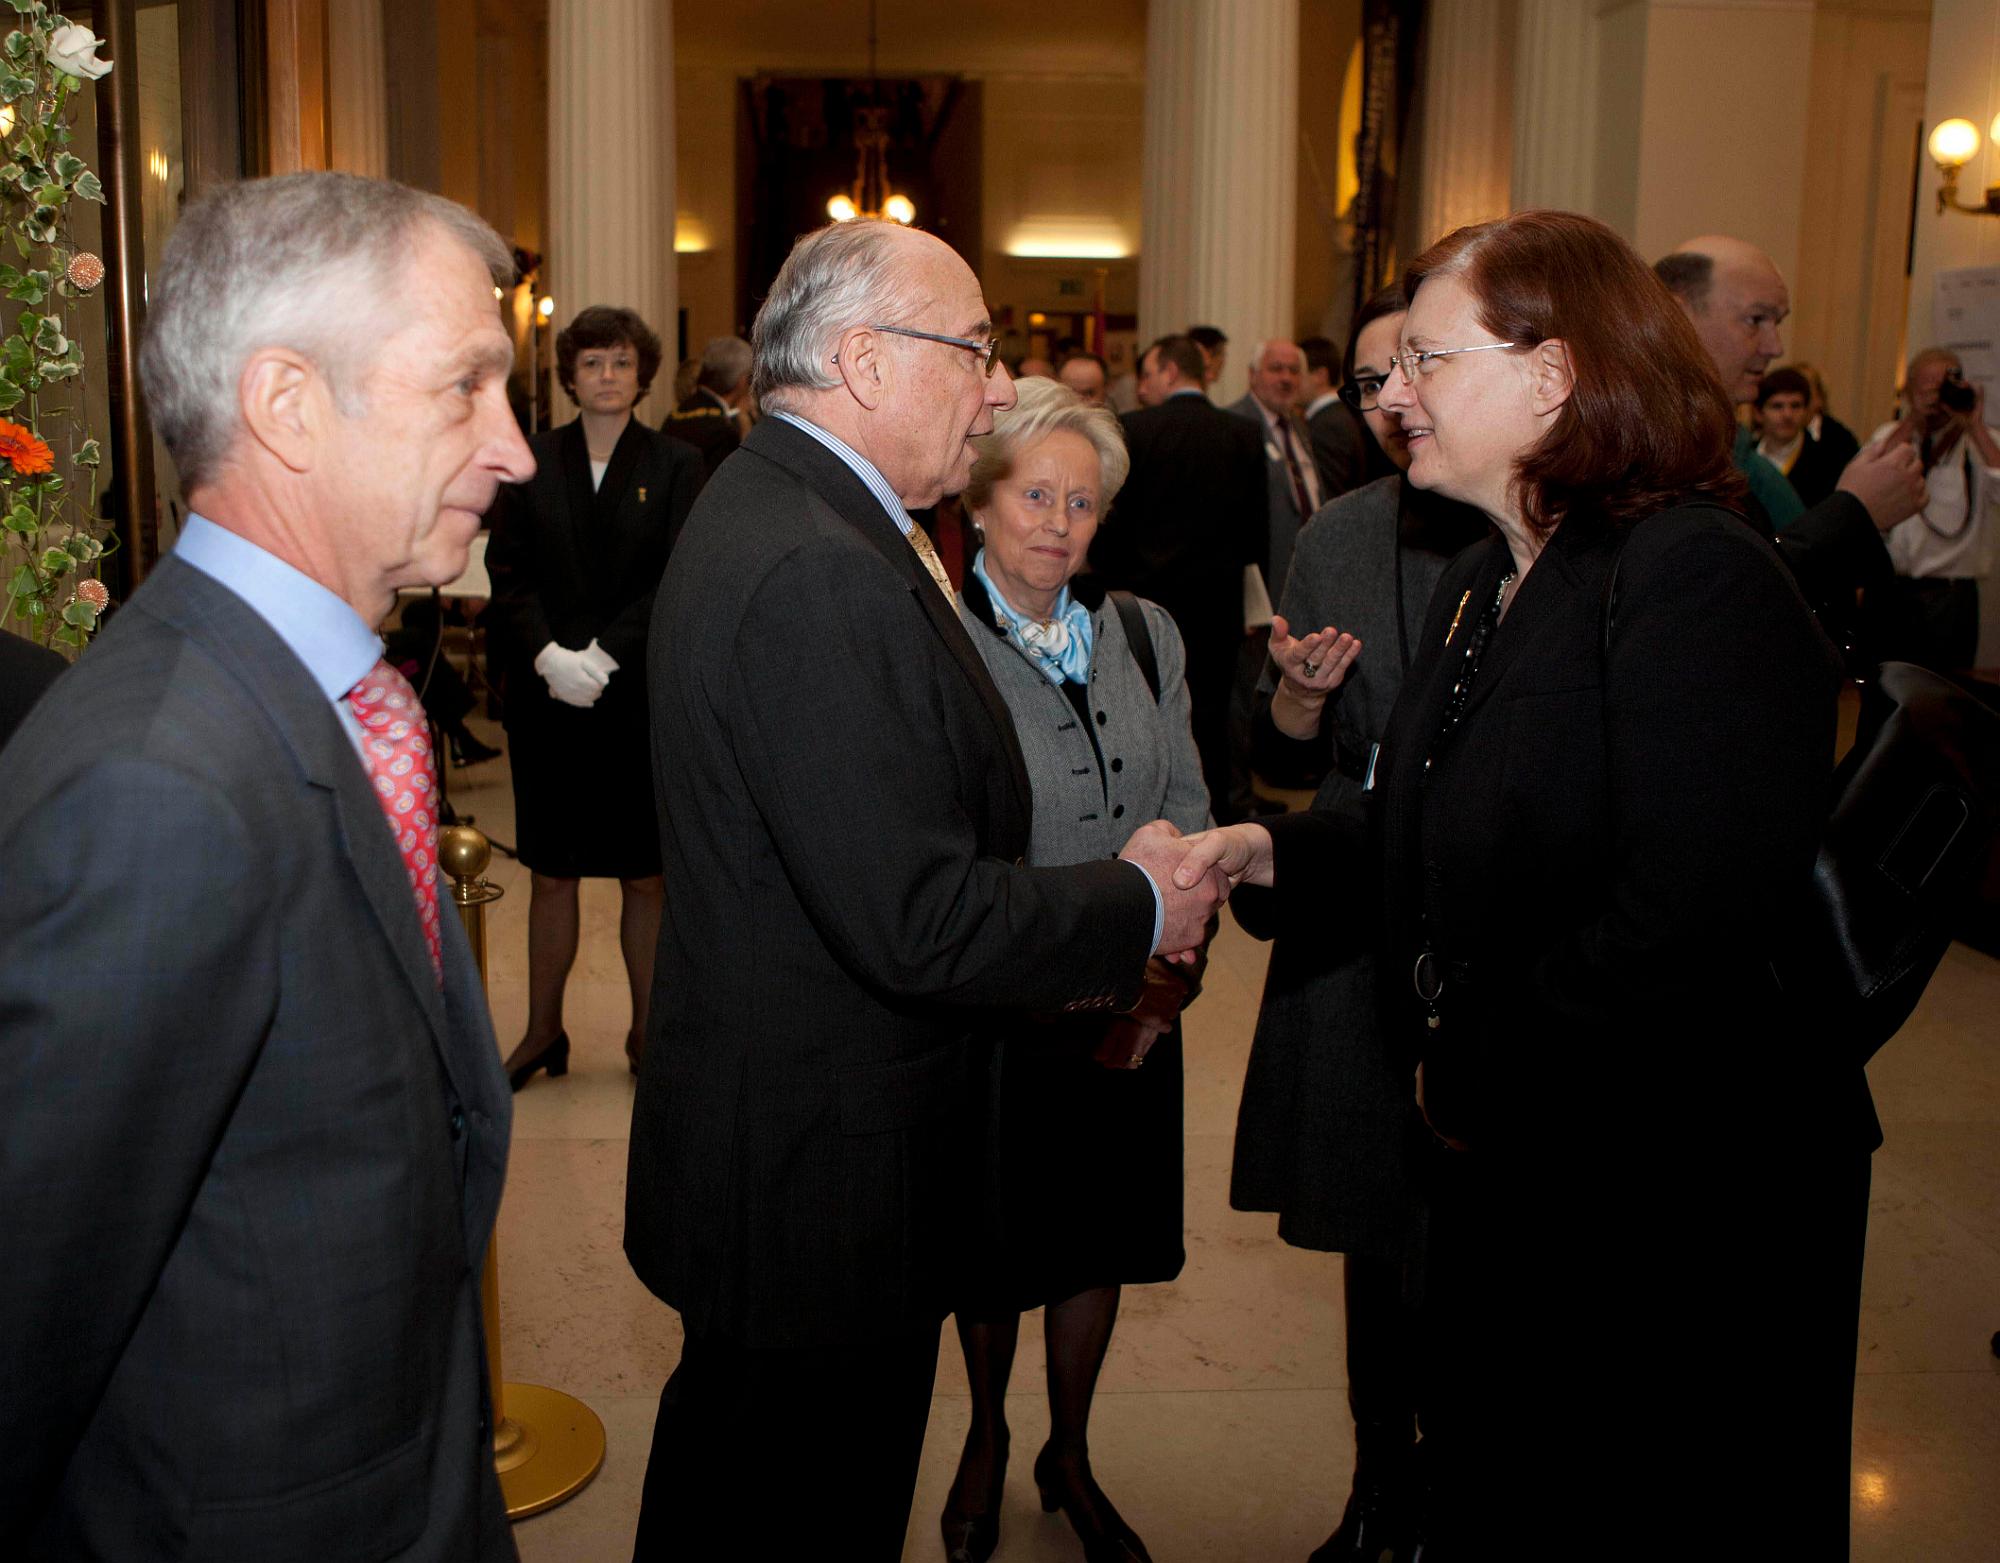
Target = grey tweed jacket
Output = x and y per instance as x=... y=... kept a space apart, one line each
x=1150 y=768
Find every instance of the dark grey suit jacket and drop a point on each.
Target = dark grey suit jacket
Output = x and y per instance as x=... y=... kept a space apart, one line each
x=843 y=811
x=251 y=1153
x=1282 y=509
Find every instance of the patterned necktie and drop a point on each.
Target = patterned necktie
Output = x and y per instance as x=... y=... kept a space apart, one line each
x=1300 y=498
x=402 y=771
x=920 y=540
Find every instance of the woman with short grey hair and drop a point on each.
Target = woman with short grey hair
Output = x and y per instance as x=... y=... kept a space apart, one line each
x=1086 y=1141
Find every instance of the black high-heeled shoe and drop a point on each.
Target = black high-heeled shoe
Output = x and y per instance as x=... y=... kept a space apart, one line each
x=972 y=1538
x=468 y=750
x=554 y=1058
x=1105 y=1536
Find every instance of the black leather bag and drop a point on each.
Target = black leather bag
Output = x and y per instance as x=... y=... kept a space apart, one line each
x=1909 y=846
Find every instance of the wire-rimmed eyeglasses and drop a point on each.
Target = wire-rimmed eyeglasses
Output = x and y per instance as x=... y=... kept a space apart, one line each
x=1418 y=362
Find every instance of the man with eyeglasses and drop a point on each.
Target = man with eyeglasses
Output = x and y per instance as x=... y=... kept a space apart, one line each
x=843 y=811
x=1737 y=299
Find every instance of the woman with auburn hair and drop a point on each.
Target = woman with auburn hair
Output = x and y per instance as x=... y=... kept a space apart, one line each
x=1601 y=790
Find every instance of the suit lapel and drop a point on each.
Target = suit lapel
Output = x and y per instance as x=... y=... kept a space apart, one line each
x=228 y=629
x=579 y=500
x=831 y=478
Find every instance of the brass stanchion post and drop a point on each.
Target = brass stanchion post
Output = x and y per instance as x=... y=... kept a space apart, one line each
x=546 y=1445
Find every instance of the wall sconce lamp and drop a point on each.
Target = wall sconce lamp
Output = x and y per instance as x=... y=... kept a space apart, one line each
x=1954 y=144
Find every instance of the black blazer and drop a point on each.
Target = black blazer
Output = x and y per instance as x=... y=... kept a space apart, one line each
x=1600 y=852
x=1339 y=445
x=254 y=1153
x=1190 y=516
x=1821 y=461
x=843 y=809
x=572 y=564
x=704 y=422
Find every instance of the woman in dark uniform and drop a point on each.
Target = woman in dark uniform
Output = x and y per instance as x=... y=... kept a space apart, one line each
x=576 y=554
x=1087 y=1134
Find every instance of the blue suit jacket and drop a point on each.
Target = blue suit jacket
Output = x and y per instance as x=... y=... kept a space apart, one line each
x=251 y=1153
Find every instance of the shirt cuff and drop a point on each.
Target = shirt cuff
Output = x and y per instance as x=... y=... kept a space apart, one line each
x=1159 y=912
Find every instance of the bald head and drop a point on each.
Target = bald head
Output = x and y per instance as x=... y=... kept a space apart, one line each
x=1736 y=298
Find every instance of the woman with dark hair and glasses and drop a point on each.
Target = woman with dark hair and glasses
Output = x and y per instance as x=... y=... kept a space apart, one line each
x=1601 y=791
x=575 y=556
x=1325 y=1131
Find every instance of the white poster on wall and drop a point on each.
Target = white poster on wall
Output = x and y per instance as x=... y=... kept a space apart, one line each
x=1965 y=317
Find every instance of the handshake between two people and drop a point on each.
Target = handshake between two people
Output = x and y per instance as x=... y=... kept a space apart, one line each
x=1195 y=875
x=576 y=678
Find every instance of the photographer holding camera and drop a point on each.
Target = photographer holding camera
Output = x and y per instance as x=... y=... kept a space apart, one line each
x=1931 y=615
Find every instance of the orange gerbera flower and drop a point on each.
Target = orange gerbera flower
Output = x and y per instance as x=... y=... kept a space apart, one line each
x=25 y=449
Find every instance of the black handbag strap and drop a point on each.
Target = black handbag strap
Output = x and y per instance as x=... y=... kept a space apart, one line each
x=1140 y=638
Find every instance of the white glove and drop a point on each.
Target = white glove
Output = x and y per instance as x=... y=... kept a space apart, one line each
x=598 y=659
x=570 y=675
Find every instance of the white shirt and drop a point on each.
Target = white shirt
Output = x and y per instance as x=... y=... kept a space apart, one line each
x=1952 y=536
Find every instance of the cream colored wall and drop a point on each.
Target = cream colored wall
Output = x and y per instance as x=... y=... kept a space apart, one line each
x=1964 y=82
x=1722 y=124
x=705 y=205
x=1848 y=289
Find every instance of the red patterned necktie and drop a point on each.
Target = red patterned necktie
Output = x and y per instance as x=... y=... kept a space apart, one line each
x=402 y=770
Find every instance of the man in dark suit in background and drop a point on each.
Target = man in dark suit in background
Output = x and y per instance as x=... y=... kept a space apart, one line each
x=1339 y=446
x=1189 y=519
x=708 y=419
x=253 y=1117
x=843 y=808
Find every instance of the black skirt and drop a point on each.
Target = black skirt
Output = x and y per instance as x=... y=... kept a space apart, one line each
x=1085 y=1186
x=583 y=780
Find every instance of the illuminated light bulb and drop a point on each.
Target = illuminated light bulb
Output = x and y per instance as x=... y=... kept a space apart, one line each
x=900 y=209
x=842 y=210
x=6 y=119
x=498 y=292
x=546 y=309
x=1954 y=142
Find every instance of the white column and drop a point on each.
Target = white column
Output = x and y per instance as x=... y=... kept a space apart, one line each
x=1468 y=106
x=1220 y=179
x=357 y=108
x=1555 y=105
x=611 y=164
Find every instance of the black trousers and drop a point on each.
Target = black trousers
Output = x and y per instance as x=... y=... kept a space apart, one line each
x=785 y=1453
x=1660 y=1358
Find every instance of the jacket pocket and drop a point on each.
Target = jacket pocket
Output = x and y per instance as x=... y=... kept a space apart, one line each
x=886 y=1097
x=375 y=1510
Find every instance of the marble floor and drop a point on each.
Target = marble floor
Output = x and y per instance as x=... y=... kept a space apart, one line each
x=1221 y=1427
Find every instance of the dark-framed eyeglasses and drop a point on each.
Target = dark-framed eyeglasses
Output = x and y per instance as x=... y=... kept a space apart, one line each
x=988 y=350
x=1362 y=392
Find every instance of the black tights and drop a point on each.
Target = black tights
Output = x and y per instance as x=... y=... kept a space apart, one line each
x=1077 y=1331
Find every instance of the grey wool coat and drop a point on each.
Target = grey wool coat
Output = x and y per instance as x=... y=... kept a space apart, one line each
x=1084 y=1164
x=1152 y=770
x=1320 y=1135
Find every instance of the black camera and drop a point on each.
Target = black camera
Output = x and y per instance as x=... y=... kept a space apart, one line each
x=1956 y=394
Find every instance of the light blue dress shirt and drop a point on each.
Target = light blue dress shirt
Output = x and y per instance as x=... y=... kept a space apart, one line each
x=878 y=485
x=323 y=632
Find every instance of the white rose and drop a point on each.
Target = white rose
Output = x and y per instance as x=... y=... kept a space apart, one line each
x=73 y=51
